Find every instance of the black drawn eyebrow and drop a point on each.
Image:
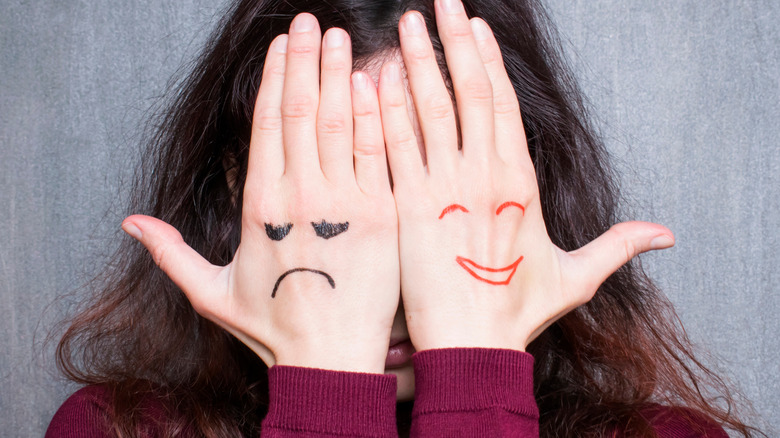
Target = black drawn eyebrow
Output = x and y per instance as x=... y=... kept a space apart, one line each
x=326 y=230
x=279 y=232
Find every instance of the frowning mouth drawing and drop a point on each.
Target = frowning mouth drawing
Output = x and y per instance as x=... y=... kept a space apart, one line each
x=281 y=277
x=495 y=276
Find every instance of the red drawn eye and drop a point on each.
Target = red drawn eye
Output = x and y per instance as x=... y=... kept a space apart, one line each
x=451 y=208
x=510 y=204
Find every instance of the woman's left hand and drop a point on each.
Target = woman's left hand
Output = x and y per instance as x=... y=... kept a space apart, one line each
x=478 y=268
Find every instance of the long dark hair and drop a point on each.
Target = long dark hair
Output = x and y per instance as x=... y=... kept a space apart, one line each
x=596 y=369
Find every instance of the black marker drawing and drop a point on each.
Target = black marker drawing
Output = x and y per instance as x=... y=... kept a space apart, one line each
x=277 y=233
x=326 y=230
x=281 y=277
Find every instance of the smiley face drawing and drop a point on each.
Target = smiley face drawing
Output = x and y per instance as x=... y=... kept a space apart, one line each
x=490 y=275
x=323 y=229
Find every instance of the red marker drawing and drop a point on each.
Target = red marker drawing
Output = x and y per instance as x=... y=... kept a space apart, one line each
x=451 y=208
x=510 y=204
x=472 y=268
x=484 y=272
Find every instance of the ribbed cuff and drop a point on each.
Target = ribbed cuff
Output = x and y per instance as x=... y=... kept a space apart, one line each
x=331 y=402
x=472 y=379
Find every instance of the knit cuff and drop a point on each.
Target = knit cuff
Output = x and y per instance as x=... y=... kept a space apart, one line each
x=472 y=379
x=331 y=402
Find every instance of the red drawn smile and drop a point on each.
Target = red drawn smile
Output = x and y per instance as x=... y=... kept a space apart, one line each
x=472 y=269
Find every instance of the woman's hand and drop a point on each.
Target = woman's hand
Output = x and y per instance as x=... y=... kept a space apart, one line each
x=478 y=267
x=315 y=279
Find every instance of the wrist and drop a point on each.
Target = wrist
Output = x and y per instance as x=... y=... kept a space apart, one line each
x=346 y=357
x=435 y=336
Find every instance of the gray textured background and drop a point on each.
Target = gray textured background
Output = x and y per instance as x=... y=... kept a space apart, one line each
x=686 y=92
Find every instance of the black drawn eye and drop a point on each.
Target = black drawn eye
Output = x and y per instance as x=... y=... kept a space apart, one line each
x=277 y=233
x=326 y=230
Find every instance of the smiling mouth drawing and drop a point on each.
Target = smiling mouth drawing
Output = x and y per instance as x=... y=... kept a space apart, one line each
x=281 y=277
x=472 y=268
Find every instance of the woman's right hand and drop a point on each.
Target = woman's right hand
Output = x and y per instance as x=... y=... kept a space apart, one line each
x=315 y=279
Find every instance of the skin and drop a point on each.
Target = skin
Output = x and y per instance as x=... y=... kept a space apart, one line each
x=305 y=139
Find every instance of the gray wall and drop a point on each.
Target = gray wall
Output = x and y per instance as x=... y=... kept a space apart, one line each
x=686 y=93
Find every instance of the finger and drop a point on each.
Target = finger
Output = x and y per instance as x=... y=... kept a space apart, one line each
x=301 y=96
x=266 y=151
x=369 y=146
x=431 y=98
x=334 y=117
x=511 y=142
x=596 y=261
x=194 y=275
x=402 y=151
x=473 y=92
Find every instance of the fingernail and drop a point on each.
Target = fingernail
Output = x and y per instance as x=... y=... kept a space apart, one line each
x=661 y=242
x=359 y=81
x=334 y=38
x=413 y=24
x=280 y=44
x=303 y=23
x=452 y=6
x=132 y=230
x=393 y=73
x=480 y=29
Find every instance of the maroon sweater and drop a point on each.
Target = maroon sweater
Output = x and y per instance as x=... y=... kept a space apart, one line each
x=458 y=392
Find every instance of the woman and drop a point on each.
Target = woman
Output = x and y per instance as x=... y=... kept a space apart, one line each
x=500 y=219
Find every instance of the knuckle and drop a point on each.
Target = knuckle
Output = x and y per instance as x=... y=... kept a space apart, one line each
x=396 y=102
x=302 y=50
x=161 y=255
x=305 y=201
x=440 y=108
x=299 y=107
x=419 y=56
x=405 y=142
x=367 y=148
x=268 y=119
x=630 y=250
x=626 y=242
x=367 y=111
x=260 y=205
x=331 y=125
x=253 y=208
x=335 y=66
x=383 y=219
x=459 y=31
x=492 y=59
x=276 y=69
x=506 y=105
x=477 y=89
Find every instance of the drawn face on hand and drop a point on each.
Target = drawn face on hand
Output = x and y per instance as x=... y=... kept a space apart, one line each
x=491 y=275
x=323 y=229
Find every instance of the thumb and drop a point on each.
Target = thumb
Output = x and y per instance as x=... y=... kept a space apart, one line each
x=599 y=259
x=182 y=264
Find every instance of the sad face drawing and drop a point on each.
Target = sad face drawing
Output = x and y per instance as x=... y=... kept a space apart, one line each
x=492 y=275
x=323 y=229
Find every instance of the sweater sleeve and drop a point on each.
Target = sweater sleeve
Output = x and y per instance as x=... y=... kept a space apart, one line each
x=313 y=403
x=489 y=392
x=474 y=392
